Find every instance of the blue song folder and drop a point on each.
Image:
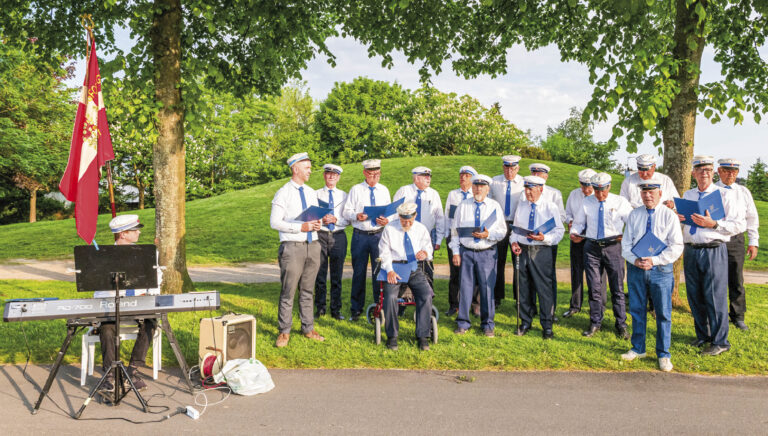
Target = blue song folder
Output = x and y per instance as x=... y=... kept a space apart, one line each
x=544 y=228
x=466 y=232
x=713 y=203
x=322 y=203
x=313 y=213
x=452 y=211
x=648 y=246
x=402 y=269
x=374 y=212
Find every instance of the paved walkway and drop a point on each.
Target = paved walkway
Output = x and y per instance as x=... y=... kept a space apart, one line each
x=245 y=273
x=408 y=402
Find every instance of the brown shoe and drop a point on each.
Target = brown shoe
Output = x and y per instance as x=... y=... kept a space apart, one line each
x=314 y=335
x=282 y=340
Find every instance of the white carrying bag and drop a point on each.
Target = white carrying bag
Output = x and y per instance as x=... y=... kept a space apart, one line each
x=245 y=377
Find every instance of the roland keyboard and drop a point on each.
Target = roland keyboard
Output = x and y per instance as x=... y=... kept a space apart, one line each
x=144 y=305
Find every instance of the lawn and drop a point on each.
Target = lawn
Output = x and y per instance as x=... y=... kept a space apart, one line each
x=350 y=345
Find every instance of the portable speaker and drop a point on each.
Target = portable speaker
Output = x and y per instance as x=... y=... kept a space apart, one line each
x=227 y=337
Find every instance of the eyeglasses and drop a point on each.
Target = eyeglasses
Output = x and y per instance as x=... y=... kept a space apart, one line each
x=705 y=170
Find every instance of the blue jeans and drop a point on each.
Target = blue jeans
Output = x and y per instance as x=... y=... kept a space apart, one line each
x=655 y=282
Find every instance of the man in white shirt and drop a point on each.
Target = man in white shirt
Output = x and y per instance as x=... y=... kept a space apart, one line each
x=651 y=274
x=603 y=216
x=299 y=252
x=646 y=168
x=506 y=189
x=574 y=203
x=476 y=253
x=536 y=268
x=333 y=243
x=407 y=241
x=728 y=169
x=705 y=260
x=463 y=192
x=366 y=233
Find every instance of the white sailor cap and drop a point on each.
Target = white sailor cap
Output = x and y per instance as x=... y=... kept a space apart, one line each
x=424 y=171
x=585 y=175
x=645 y=161
x=481 y=179
x=533 y=181
x=729 y=163
x=467 y=169
x=538 y=168
x=331 y=168
x=511 y=160
x=703 y=160
x=372 y=164
x=601 y=181
x=652 y=183
x=123 y=223
x=298 y=157
x=407 y=210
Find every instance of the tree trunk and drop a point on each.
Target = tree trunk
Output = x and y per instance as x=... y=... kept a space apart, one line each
x=169 y=150
x=140 y=187
x=680 y=125
x=33 y=205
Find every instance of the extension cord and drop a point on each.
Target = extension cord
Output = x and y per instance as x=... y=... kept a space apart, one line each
x=192 y=412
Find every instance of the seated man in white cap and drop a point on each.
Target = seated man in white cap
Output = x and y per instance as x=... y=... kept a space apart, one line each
x=127 y=228
x=536 y=268
x=728 y=169
x=574 y=203
x=506 y=189
x=646 y=168
x=456 y=196
x=299 y=252
x=651 y=273
x=407 y=241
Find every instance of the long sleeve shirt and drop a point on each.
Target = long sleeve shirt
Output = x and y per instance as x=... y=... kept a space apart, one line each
x=573 y=204
x=431 y=208
x=554 y=196
x=742 y=198
x=465 y=217
x=616 y=209
x=359 y=197
x=286 y=206
x=498 y=192
x=630 y=189
x=338 y=204
x=664 y=225
x=454 y=198
x=733 y=223
x=392 y=246
x=545 y=210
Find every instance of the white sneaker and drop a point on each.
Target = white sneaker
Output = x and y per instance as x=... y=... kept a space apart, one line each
x=665 y=364
x=631 y=355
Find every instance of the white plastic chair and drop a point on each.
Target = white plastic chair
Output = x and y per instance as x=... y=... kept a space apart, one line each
x=127 y=332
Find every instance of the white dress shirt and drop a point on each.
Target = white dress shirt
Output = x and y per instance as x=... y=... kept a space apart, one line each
x=498 y=192
x=454 y=198
x=338 y=204
x=554 y=196
x=734 y=222
x=392 y=247
x=545 y=210
x=431 y=208
x=742 y=199
x=664 y=225
x=630 y=189
x=615 y=212
x=286 y=206
x=465 y=217
x=573 y=204
x=359 y=197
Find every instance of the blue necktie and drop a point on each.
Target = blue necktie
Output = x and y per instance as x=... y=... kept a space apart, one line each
x=507 y=205
x=650 y=217
x=331 y=226
x=304 y=207
x=418 y=204
x=464 y=194
x=477 y=217
x=409 y=254
x=373 y=197
x=727 y=186
x=532 y=218
x=694 y=227
x=600 y=221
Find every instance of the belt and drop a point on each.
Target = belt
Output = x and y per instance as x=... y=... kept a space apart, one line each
x=707 y=245
x=603 y=243
x=369 y=232
x=476 y=250
x=331 y=232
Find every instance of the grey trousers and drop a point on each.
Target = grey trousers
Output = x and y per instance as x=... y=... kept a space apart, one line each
x=299 y=262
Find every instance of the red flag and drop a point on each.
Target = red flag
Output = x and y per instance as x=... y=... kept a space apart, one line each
x=91 y=148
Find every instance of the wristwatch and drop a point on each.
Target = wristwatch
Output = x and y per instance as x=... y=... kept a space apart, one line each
x=716 y=226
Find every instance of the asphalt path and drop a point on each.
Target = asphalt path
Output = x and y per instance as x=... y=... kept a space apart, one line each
x=406 y=402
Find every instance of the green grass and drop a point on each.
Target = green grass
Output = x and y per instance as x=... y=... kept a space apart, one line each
x=350 y=345
x=234 y=227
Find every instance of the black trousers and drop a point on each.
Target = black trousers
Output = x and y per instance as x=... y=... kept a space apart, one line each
x=596 y=260
x=536 y=277
x=577 y=274
x=736 y=294
x=502 y=247
x=138 y=355
x=333 y=251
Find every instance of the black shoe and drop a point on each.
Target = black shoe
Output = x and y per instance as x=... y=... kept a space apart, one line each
x=547 y=334
x=555 y=319
x=698 y=343
x=594 y=328
x=337 y=315
x=452 y=311
x=740 y=325
x=570 y=312
x=424 y=344
x=714 y=350
x=138 y=383
x=460 y=331
x=523 y=330
x=622 y=332
x=108 y=385
x=319 y=313
x=496 y=303
x=400 y=311
x=392 y=344
x=354 y=317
